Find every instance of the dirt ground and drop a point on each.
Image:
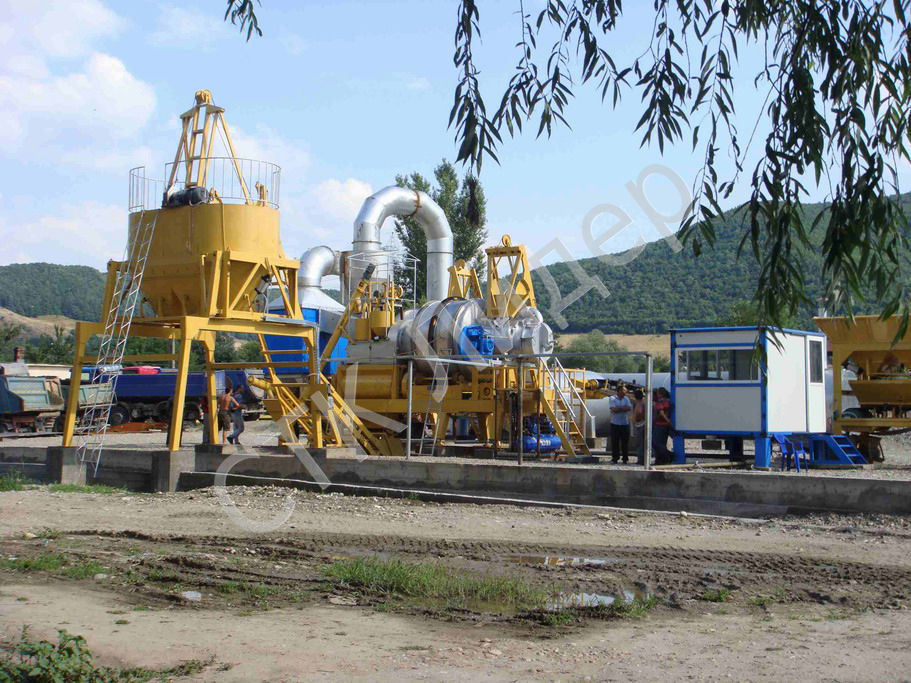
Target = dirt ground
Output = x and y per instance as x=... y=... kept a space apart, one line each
x=822 y=597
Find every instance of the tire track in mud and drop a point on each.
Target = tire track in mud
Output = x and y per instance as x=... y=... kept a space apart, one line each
x=681 y=573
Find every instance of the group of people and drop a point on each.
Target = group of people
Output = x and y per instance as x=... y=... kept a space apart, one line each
x=230 y=415
x=627 y=414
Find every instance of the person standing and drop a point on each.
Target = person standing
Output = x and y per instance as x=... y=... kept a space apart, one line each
x=237 y=416
x=226 y=403
x=639 y=424
x=620 y=407
x=661 y=428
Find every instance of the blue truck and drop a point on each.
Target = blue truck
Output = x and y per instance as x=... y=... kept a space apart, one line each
x=147 y=392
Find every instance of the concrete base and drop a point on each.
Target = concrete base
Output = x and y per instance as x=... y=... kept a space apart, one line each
x=733 y=493
x=168 y=466
x=64 y=467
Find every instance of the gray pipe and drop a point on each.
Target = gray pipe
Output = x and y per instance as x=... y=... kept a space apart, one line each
x=316 y=263
x=400 y=201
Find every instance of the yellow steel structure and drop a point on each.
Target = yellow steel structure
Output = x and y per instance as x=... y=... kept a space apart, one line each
x=207 y=269
x=369 y=396
x=882 y=388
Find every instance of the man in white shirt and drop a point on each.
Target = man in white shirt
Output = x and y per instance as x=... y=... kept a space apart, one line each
x=620 y=407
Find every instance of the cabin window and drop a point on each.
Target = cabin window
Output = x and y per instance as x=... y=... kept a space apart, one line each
x=816 y=362
x=717 y=365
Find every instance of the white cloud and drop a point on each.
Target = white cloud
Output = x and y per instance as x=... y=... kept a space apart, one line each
x=189 y=29
x=55 y=87
x=417 y=83
x=89 y=233
x=264 y=144
x=55 y=28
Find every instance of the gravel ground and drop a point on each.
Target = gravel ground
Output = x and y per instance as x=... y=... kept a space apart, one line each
x=821 y=597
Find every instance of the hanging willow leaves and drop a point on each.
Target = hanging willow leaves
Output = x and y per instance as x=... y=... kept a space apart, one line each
x=836 y=80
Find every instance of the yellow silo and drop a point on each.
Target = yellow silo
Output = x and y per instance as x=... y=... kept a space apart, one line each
x=203 y=247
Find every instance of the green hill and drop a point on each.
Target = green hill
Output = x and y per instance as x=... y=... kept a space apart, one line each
x=35 y=289
x=662 y=289
x=658 y=290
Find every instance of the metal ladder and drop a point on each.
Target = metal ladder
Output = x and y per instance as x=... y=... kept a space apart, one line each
x=567 y=409
x=126 y=298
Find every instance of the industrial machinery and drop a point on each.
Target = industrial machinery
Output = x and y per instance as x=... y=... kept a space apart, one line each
x=881 y=384
x=469 y=353
x=204 y=255
x=203 y=248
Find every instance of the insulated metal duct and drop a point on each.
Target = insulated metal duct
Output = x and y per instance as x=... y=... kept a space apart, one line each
x=400 y=201
x=316 y=263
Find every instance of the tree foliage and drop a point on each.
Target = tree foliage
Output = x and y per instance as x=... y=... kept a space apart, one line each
x=834 y=74
x=465 y=207
x=835 y=77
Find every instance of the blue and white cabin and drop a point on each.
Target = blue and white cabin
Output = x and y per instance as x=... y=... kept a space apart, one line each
x=721 y=387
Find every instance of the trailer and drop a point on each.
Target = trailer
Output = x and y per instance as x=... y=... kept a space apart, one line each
x=27 y=403
x=737 y=383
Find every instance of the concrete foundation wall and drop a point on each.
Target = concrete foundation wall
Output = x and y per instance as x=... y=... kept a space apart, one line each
x=737 y=493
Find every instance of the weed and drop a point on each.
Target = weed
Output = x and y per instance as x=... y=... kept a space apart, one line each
x=142 y=608
x=562 y=617
x=229 y=587
x=22 y=598
x=14 y=481
x=162 y=576
x=70 y=660
x=83 y=570
x=49 y=533
x=423 y=580
x=778 y=595
x=720 y=595
x=46 y=562
x=87 y=488
x=122 y=622
x=52 y=562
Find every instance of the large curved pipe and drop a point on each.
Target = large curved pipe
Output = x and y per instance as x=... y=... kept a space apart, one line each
x=400 y=201
x=317 y=263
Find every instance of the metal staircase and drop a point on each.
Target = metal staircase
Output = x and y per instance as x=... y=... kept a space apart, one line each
x=829 y=449
x=126 y=298
x=566 y=409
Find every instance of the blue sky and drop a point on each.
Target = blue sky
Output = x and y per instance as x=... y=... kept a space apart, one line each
x=342 y=95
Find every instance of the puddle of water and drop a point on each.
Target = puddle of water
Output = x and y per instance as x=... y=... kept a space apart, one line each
x=576 y=600
x=563 y=561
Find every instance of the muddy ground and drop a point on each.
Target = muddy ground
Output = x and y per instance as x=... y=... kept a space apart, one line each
x=819 y=597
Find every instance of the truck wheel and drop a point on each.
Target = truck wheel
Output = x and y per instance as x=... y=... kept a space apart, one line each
x=192 y=413
x=119 y=415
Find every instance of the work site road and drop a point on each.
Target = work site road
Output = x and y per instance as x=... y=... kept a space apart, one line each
x=818 y=597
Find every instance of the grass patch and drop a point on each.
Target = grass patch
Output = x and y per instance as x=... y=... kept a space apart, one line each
x=69 y=659
x=778 y=595
x=56 y=563
x=85 y=488
x=720 y=595
x=83 y=570
x=14 y=481
x=428 y=581
x=46 y=562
